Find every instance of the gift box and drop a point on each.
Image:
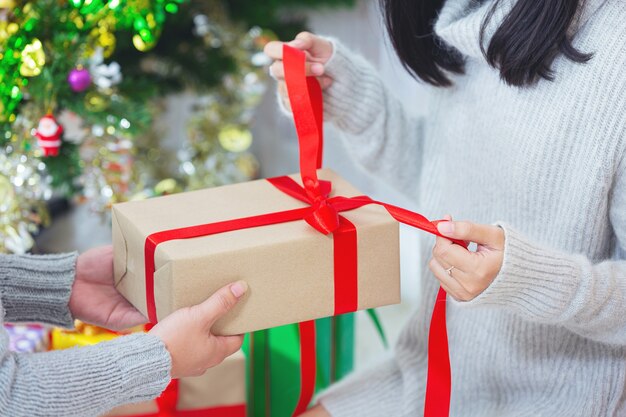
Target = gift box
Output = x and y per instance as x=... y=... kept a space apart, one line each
x=83 y=335
x=274 y=364
x=309 y=246
x=290 y=266
x=219 y=392
x=27 y=338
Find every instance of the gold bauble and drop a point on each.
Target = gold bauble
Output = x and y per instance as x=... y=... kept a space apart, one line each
x=33 y=59
x=141 y=45
x=166 y=186
x=7 y=4
x=234 y=138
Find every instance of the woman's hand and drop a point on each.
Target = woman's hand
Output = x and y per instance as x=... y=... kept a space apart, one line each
x=94 y=298
x=462 y=273
x=187 y=335
x=318 y=52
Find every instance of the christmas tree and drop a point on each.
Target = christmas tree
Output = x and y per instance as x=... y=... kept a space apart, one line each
x=80 y=87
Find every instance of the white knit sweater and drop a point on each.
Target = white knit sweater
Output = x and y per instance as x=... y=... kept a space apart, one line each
x=547 y=163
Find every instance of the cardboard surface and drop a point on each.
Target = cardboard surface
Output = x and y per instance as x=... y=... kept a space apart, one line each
x=288 y=267
x=221 y=385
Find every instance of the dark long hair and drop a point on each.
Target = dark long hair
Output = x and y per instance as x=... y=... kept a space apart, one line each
x=523 y=47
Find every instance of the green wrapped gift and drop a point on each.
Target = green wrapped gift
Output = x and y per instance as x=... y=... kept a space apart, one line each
x=273 y=362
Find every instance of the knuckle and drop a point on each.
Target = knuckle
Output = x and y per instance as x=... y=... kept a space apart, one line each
x=473 y=288
x=440 y=251
x=224 y=302
x=304 y=35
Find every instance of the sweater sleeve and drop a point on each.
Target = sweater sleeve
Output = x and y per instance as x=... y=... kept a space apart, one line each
x=372 y=393
x=549 y=286
x=82 y=382
x=381 y=136
x=36 y=288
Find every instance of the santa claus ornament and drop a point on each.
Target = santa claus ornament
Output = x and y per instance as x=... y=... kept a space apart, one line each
x=48 y=135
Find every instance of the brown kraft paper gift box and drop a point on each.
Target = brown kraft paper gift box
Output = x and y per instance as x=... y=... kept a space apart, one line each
x=220 y=386
x=288 y=266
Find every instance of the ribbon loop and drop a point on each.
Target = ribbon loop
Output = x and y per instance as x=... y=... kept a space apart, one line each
x=324 y=217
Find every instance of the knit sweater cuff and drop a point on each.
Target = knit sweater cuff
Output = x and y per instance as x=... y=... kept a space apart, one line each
x=92 y=380
x=37 y=288
x=373 y=393
x=144 y=365
x=533 y=281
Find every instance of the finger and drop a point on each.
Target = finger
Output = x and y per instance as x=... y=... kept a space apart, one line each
x=221 y=302
x=448 y=253
x=229 y=344
x=274 y=50
x=450 y=284
x=325 y=81
x=277 y=70
x=303 y=40
x=479 y=233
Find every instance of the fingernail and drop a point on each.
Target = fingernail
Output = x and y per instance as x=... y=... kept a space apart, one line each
x=317 y=69
x=239 y=288
x=296 y=43
x=446 y=228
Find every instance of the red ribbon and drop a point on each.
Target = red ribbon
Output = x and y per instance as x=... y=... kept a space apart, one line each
x=322 y=213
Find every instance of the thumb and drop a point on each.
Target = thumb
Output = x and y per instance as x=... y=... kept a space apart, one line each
x=479 y=233
x=229 y=344
x=221 y=302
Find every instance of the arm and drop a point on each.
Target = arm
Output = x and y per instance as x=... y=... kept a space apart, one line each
x=82 y=382
x=37 y=288
x=380 y=134
x=548 y=286
x=540 y=284
x=91 y=380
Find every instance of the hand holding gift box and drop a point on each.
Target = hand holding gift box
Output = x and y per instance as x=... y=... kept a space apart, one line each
x=308 y=249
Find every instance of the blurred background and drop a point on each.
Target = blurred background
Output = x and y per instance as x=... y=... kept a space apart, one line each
x=110 y=101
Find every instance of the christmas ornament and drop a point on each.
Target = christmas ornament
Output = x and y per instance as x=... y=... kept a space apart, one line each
x=7 y=4
x=104 y=75
x=235 y=139
x=18 y=241
x=33 y=59
x=73 y=127
x=79 y=79
x=48 y=135
x=107 y=76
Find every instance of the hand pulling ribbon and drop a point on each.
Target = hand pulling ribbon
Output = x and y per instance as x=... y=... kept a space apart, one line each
x=322 y=213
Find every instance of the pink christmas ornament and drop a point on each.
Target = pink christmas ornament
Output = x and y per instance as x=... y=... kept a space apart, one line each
x=79 y=79
x=48 y=135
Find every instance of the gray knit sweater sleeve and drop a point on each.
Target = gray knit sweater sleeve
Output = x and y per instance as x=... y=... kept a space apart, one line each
x=383 y=137
x=77 y=382
x=548 y=286
x=37 y=288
